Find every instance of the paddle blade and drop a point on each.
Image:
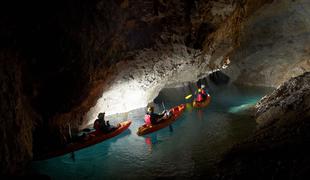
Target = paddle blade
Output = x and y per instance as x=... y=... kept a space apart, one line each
x=188 y=96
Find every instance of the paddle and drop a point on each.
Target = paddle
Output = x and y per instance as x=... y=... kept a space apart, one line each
x=163 y=105
x=70 y=134
x=188 y=96
x=170 y=126
x=72 y=156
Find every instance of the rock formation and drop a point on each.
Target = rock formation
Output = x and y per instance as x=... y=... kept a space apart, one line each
x=274 y=45
x=16 y=123
x=279 y=147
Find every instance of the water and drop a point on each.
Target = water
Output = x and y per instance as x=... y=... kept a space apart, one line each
x=187 y=149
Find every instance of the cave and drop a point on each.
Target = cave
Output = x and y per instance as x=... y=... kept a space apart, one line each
x=62 y=63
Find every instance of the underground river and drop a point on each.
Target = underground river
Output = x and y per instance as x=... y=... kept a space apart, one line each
x=187 y=149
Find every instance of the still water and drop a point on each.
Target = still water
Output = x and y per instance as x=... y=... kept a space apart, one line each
x=187 y=149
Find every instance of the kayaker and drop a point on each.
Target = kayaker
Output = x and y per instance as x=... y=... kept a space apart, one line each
x=204 y=92
x=101 y=124
x=152 y=118
x=199 y=97
x=202 y=95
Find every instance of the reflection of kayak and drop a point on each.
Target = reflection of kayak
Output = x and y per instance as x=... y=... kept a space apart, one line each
x=203 y=103
x=176 y=112
x=91 y=138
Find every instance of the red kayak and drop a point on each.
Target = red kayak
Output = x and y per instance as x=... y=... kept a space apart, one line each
x=176 y=112
x=205 y=103
x=92 y=138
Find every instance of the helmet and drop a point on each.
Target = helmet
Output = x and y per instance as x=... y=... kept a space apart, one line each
x=150 y=109
x=203 y=86
x=199 y=90
x=101 y=115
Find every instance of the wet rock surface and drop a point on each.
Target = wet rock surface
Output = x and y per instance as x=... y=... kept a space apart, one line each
x=279 y=148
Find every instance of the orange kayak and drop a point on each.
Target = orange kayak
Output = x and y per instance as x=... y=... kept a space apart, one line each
x=92 y=138
x=203 y=103
x=176 y=112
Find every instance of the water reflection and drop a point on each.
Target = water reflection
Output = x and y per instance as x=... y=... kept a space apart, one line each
x=150 y=141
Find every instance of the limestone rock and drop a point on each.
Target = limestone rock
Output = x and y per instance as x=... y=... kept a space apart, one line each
x=274 y=45
x=279 y=147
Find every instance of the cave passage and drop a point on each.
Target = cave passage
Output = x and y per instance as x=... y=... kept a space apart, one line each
x=188 y=148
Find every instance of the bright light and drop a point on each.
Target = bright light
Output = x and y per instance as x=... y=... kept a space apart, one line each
x=240 y=108
x=120 y=98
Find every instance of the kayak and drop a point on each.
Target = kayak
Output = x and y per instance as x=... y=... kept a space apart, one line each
x=91 y=138
x=175 y=111
x=203 y=103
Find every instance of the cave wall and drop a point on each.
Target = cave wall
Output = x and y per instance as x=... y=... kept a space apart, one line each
x=175 y=38
x=273 y=45
x=48 y=61
x=16 y=119
x=279 y=146
x=177 y=56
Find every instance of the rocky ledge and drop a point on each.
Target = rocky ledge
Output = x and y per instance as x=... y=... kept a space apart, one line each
x=279 y=148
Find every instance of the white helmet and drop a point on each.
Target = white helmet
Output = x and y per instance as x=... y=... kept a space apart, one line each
x=203 y=86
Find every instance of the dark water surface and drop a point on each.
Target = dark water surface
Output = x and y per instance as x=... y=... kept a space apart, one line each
x=187 y=149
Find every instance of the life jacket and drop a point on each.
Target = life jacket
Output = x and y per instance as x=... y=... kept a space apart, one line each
x=147 y=119
x=199 y=97
x=203 y=92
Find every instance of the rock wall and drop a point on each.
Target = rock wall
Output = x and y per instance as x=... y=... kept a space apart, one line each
x=179 y=48
x=138 y=82
x=289 y=101
x=16 y=118
x=274 y=44
x=279 y=147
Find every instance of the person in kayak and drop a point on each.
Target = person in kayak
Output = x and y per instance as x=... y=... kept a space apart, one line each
x=101 y=124
x=202 y=94
x=152 y=118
